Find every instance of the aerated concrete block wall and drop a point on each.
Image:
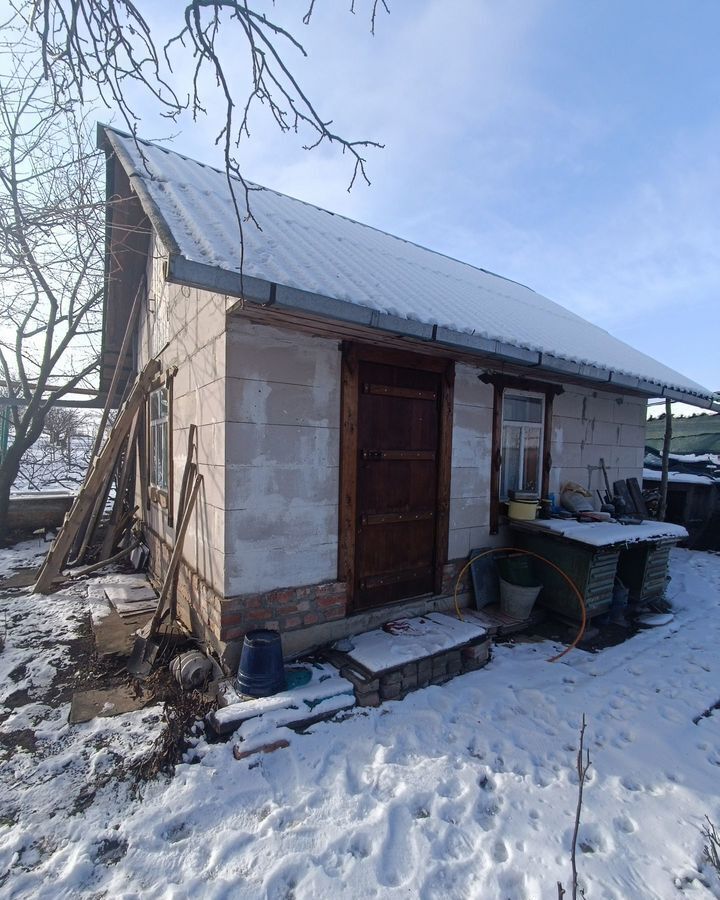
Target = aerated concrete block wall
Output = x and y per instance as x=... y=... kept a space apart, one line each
x=587 y=425
x=471 y=453
x=190 y=325
x=590 y=425
x=282 y=459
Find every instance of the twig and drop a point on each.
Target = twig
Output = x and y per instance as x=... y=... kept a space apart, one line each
x=712 y=848
x=582 y=769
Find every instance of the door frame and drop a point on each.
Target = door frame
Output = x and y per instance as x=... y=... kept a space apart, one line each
x=352 y=355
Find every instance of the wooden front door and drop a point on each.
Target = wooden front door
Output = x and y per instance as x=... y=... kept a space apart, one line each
x=399 y=422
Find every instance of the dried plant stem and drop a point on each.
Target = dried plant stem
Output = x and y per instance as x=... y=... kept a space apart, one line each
x=583 y=765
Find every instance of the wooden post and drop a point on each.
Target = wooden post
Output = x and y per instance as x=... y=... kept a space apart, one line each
x=124 y=347
x=154 y=623
x=100 y=471
x=93 y=515
x=111 y=536
x=662 y=507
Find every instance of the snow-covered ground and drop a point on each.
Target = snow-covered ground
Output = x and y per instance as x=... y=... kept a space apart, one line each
x=462 y=791
x=48 y=467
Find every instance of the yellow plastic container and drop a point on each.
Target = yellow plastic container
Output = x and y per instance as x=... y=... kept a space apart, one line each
x=523 y=509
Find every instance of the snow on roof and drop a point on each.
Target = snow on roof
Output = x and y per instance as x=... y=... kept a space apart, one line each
x=681 y=477
x=310 y=249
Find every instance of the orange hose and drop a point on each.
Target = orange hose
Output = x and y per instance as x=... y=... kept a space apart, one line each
x=583 y=623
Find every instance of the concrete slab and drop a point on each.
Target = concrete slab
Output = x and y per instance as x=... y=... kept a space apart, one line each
x=408 y=640
x=115 y=701
x=130 y=593
x=326 y=693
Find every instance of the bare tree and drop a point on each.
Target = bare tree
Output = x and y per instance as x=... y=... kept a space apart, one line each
x=51 y=262
x=110 y=47
x=50 y=212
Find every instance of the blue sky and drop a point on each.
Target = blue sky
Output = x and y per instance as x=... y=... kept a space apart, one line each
x=568 y=144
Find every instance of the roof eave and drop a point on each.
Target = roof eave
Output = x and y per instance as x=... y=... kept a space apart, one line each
x=268 y=294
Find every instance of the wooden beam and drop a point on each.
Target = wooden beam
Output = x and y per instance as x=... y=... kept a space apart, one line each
x=100 y=471
x=348 y=468
x=547 y=445
x=111 y=535
x=496 y=458
x=665 y=475
x=189 y=474
x=154 y=623
x=444 y=470
x=124 y=347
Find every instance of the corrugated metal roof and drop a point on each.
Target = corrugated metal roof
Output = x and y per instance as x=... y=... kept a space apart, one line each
x=306 y=248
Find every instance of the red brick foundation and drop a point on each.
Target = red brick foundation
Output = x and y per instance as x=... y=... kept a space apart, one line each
x=285 y=609
x=222 y=622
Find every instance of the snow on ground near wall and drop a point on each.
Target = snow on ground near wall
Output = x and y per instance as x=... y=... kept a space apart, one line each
x=462 y=791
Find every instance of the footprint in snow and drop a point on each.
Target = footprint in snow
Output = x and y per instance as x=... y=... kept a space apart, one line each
x=486 y=816
x=592 y=838
x=458 y=844
x=281 y=883
x=623 y=738
x=451 y=788
x=500 y=851
x=397 y=860
x=624 y=824
x=361 y=846
x=486 y=782
x=542 y=778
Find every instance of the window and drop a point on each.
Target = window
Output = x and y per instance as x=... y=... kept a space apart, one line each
x=522 y=415
x=522 y=442
x=159 y=439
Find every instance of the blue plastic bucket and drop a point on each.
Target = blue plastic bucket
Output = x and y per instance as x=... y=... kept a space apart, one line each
x=261 y=672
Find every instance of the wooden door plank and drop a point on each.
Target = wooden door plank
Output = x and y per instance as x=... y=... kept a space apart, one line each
x=385 y=390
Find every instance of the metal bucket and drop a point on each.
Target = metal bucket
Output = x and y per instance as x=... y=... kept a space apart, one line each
x=261 y=672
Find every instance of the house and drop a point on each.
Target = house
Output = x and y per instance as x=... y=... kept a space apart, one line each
x=363 y=405
x=693 y=497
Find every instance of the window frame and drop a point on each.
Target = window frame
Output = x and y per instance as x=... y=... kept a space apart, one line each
x=500 y=384
x=159 y=423
x=158 y=493
x=522 y=425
